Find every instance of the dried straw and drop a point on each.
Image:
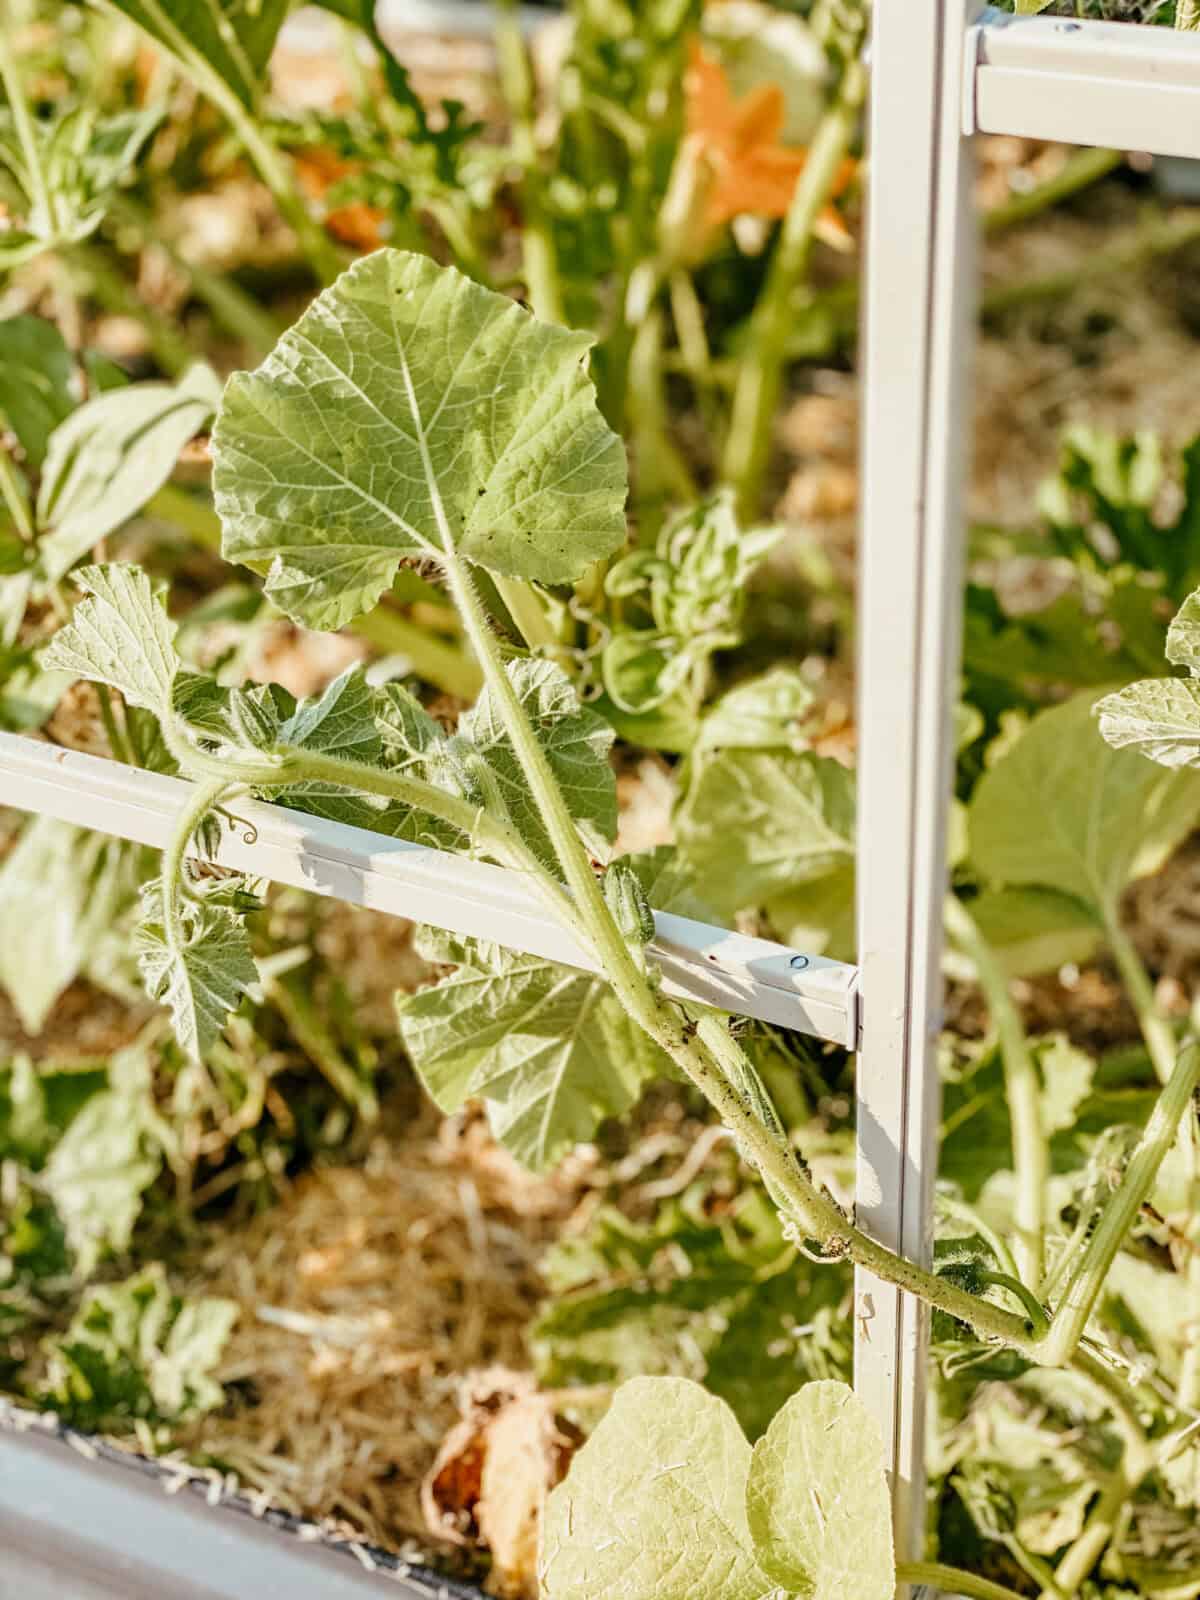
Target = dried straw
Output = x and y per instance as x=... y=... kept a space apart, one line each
x=366 y=1294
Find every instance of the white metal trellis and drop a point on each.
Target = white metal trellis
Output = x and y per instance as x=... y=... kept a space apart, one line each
x=941 y=73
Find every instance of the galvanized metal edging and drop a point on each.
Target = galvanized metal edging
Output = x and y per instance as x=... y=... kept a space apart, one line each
x=83 y=1519
x=748 y=977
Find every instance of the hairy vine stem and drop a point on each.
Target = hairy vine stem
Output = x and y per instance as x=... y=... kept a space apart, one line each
x=203 y=799
x=705 y=1050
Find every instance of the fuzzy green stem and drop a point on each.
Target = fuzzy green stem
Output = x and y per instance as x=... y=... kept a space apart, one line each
x=817 y=1212
x=1079 y=1299
x=290 y=765
x=1035 y=1310
x=203 y=798
x=1187 y=15
x=950 y=1580
x=760 y=376
x=1031 y=1154
x=1156 y=1030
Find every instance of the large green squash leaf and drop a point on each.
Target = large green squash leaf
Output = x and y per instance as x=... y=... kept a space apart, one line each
x=817 y=1499
x=759 y=823
x=412 y=412
x=549 y=1050
x=229 y=39
x=1064 y=811
x=654 y=1506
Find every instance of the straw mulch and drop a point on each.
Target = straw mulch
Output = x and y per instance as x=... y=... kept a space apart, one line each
x=366 y=1294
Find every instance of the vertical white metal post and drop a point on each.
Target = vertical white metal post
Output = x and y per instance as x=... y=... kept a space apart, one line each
x=919 y=330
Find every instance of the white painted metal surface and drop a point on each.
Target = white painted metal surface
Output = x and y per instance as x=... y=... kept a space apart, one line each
x=750 y=977
x=918 y=332
x=1087 y=83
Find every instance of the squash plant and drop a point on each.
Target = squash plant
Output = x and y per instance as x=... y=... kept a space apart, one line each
x=413 y=416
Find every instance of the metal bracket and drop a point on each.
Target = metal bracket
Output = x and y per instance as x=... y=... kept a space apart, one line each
x=1117 y=84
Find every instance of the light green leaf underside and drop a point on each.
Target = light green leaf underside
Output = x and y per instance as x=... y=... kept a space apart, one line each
x=576 y=742
x=1063 y=810
x=817 y=1499
x=411 y=411
x=201 y=983
x=120 y=635
x=1159 y=717
x=1183 y=636
x=1032 y=930
x=110 y=456
x=356 y=722
x=549 y=1050
x=653 y=1507
x=758 y=823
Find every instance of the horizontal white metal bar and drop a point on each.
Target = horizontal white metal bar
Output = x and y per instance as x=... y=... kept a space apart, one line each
x=1115 y=84
x=749 y=977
